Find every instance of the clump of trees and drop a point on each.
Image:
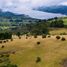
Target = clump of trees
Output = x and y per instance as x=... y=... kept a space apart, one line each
x=6 y=35
x=57 y=23
x=36 y=28
x=40 y=28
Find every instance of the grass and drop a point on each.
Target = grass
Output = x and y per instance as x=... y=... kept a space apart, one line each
x=51 y=51
x=65 y=21
x=58 y=31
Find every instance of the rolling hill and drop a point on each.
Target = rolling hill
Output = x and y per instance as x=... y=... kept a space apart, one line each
x=9 y=15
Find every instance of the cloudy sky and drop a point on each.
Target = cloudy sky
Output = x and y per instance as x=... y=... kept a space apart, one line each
x=25 y=6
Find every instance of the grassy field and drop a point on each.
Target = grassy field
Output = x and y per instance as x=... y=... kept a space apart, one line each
x=57 y=31
x=51 y=51
x=65 y=21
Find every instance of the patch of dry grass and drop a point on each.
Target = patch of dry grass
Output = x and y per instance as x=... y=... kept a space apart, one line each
x=51 y=51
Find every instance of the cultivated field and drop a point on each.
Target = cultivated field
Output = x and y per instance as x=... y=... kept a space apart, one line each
x=24 y=52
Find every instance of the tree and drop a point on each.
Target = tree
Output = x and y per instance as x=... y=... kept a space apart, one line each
x=18 y=34
x=57 y=23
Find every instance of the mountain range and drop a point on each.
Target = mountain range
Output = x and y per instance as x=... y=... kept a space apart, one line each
x=9 y=15
x=39 y=12
x=61 y=9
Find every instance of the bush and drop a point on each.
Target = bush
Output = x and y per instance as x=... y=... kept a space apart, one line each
x=13 y=52
x=0 y=41
x=4 y=41
x=58 y=37
x=63 y=39
x=11 y=39
x=43 y=36
x=38 y=43
x=19 y=37
x=2 y=46
x=49 y=36
x=18 y=34
x=26 y=37
x=35 y=36
x=7 y=55
x=8 y=65
x=2 y=55
x=63 y=33
x=7 y=40
x=38 y=59
x=1 y=61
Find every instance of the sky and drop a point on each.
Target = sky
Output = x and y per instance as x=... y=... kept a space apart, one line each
x=26 y=6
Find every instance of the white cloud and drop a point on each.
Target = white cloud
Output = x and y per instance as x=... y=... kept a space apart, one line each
x=29 y=3
x=25 y=6
x=64 y=3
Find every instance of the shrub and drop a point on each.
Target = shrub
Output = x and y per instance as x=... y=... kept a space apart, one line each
x=0 y=41
x=38 y=43
x=18 y=34
x=43 y=36
x=1 y=60
x=7 y=55
x=2 y=55
x=2 y=46
x=35 y=36
x=26 y=37
x=4 y=41
x=63 y=39
x=19 y=37
x=63 y=33
x=58 y=37
x=8 y=65
x=64 y=62
x=38 y=59
x=11 y=39
x=13 y=52
x=49 y=36
x=7 y=40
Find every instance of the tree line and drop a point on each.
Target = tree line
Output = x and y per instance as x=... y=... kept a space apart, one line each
x=39 y=27
x=5 y=35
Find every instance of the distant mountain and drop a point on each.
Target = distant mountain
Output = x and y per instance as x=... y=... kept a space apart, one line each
x=61 y=9
x=13 y=15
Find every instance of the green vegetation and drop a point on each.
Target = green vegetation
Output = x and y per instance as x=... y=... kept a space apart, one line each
x=6 y=35
x=5 y=61
x=34 y=27
x=41 y=43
